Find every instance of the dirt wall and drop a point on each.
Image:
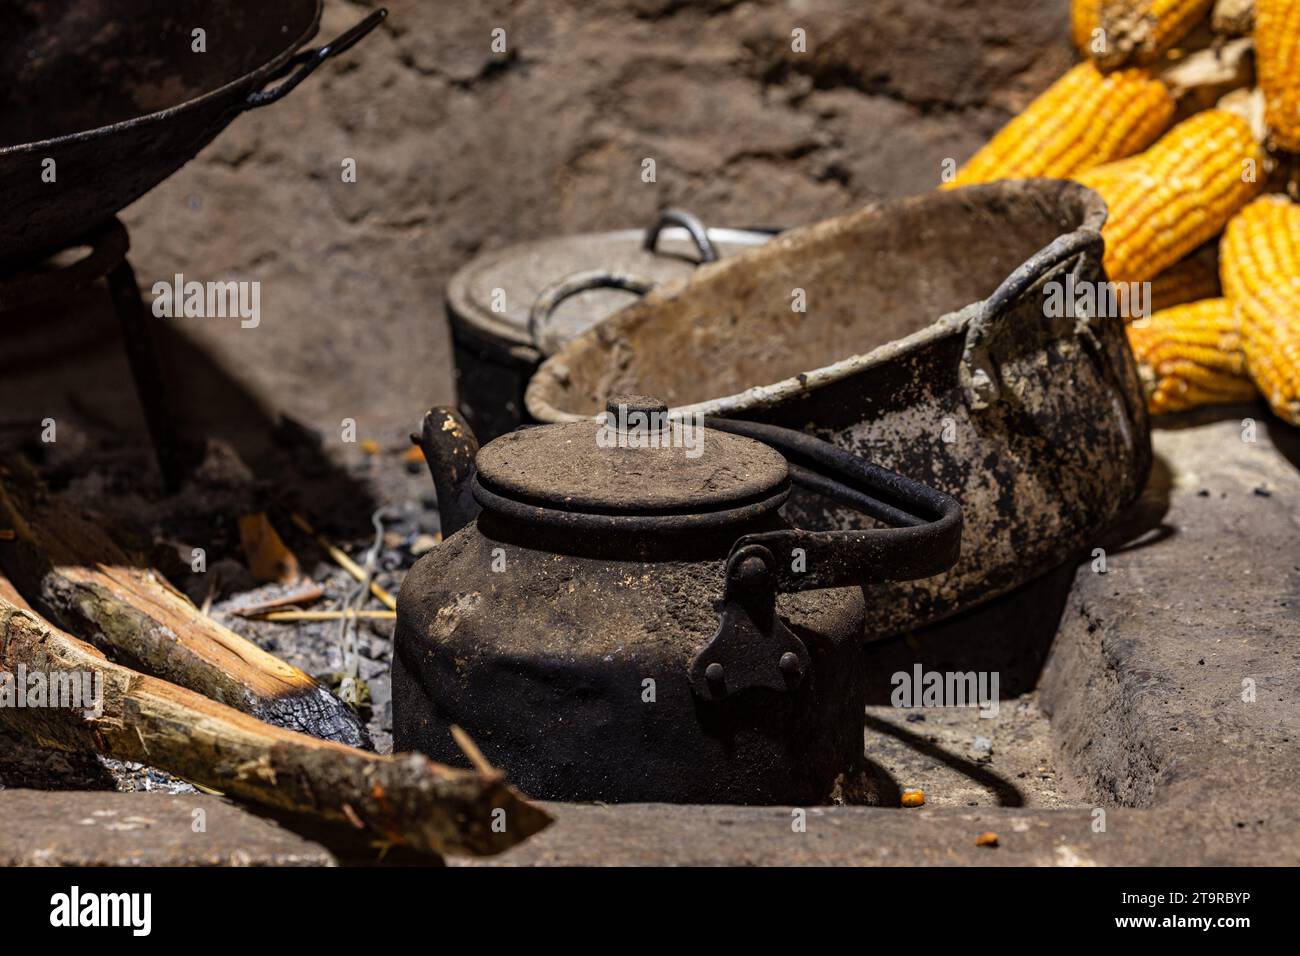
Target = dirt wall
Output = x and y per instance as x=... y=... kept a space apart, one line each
x=459 y=149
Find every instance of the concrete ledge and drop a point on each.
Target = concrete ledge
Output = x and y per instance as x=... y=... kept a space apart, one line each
x=665 y=835
x=1150 y=679
x=88 y=828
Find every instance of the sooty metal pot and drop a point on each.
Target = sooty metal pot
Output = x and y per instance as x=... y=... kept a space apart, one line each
x=929 y=345
x=622 y=614
x=510 y=308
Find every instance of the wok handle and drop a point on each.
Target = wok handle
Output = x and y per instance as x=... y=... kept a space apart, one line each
x=680 y=217
x=549 y=299
x=308 y=60
x=753 y=647
x=978 y=374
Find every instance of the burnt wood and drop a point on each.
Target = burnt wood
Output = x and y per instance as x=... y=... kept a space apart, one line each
x=74 y=573
x=403 y=800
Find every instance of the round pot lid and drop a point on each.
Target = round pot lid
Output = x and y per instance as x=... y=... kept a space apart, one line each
x=637 y=462
x=495 y=293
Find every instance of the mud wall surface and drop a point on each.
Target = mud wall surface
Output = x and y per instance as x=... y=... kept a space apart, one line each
x=459 y=149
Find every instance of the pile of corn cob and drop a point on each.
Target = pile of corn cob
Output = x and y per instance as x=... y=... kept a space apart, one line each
x=1184 y=177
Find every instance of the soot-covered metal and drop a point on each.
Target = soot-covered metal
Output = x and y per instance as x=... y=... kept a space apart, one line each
x=623 y=623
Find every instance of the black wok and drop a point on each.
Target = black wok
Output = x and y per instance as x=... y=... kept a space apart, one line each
x=113 y=92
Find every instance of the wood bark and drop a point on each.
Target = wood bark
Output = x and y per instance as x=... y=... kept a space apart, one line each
x=71 y=571
x=403 y=800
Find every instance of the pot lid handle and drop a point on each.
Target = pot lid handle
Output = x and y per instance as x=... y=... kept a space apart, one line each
x=680 y=217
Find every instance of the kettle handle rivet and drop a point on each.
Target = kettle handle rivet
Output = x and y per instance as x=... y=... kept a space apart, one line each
x=789 y=663
x=753 y=568
x=714 y=673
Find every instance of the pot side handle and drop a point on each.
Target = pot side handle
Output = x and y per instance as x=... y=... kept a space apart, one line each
x=549 y=299
x=308 y=60
x=978 y=374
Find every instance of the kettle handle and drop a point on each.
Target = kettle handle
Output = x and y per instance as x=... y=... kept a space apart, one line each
x=753 y=647
x=924 y=533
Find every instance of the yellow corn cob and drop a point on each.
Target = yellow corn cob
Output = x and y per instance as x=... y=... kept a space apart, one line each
x=1140 y=31
x=1204 y=332
x=1085 y=17
x=1190 y=279
x=1082 y=120
x=1260 y=265
x=1277 y=61
x=1176 y=195
x=1190 y=355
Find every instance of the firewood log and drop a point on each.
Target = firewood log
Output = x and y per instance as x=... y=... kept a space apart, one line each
x=71 y=571
x=404 y=800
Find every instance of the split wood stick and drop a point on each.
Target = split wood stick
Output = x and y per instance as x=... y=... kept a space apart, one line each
x=470 y=749
x=404 y=800
x=288 y=616
x=342 y=560
x=73 y=573
x=305 y=594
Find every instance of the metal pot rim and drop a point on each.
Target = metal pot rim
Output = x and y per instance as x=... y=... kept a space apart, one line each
x=765 y=396
x=251 y=78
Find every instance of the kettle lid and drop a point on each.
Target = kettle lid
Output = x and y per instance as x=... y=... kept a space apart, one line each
x=635 y=462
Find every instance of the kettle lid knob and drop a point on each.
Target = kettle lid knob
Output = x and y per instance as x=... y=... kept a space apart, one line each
x=620 y=407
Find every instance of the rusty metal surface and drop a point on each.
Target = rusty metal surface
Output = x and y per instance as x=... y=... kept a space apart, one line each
x=120 y=102
x=887 y=361
x=567 y=654
x=545 y=664
x=1144 y=685
x=681 y=641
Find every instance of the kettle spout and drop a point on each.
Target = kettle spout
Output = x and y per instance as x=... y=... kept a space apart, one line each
x=449 y=448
